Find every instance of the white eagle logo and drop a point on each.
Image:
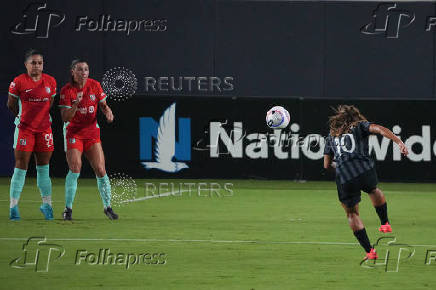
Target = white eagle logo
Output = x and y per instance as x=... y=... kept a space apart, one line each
x=166 y=144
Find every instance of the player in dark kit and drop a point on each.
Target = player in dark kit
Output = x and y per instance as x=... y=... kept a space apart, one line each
x=348 y=144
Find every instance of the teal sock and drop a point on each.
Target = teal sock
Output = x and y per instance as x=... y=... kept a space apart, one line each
x=17 y=183
x=104 y=187
x=43 y=182
x=70 y=188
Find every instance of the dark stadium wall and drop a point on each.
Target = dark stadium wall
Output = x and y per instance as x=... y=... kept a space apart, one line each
x=272 y=50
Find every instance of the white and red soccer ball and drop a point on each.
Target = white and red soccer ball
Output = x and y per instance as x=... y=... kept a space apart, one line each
x=277 y=117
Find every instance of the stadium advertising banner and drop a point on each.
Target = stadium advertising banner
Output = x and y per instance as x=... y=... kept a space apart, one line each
x=200 y=137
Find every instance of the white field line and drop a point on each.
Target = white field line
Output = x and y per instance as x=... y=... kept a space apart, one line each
x=154 y=196
x=197 y=241
x=38 y=201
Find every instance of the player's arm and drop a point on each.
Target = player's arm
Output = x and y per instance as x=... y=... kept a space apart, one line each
x=106 y=111
x=68 y=113
x=385 y=132
x=329 y=164
x=12 y=104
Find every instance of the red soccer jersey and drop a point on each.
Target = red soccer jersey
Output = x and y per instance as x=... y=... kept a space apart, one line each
x=34 y=101
x=84 y=123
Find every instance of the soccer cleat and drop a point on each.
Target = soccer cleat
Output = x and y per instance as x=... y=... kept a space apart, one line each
x=14 y=214
x=372 y=255
x=68 y=213
x=386 y=228
x=47 y=211
x=110 y=213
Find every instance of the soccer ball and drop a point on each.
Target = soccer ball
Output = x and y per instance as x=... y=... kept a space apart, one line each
x=277 y=117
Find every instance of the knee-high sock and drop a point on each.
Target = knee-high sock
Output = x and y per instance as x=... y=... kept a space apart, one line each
x=43 y=182
x=363 y=239
x=104 y=187
x=382 y=212
x=17 y=183
x=70 y=188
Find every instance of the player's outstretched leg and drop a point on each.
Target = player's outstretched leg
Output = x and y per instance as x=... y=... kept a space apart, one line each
x=43 y=182
x=379 y=202
x=104 y=187
x=96 y=158
x=17 y=184
x=359 y=231
x=70 y=193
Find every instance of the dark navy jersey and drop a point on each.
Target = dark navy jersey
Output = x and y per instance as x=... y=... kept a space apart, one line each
x=351 y=152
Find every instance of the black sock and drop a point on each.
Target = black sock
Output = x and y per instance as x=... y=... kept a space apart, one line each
x=363 y=239
x=382 y=212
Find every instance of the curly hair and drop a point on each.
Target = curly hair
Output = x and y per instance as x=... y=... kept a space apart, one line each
x=346 y=117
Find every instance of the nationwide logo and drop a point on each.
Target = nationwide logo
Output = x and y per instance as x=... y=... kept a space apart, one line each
x=387 y=20
x=37 y=20
x=167 y=152
x=233 y=141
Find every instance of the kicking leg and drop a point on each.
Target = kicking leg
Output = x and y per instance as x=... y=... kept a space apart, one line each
x=358 y=229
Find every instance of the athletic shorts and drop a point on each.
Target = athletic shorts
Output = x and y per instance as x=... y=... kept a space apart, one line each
x=26 y=140
x=349 y=192
x=80 y=144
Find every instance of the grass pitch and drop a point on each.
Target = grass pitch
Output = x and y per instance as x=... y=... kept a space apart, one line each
x=266 y=235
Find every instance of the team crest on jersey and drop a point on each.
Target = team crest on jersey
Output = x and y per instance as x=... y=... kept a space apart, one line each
x=23 y=142
x=92 y=97
x=12 y=85
x=48 y=90
x=62 y=97
x=72 y=140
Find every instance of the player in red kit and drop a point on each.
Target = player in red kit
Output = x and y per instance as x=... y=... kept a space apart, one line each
x=30 y=98
x=79 y=102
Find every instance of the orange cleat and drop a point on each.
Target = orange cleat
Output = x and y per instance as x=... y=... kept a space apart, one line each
x=386 y=228
x=372 y=255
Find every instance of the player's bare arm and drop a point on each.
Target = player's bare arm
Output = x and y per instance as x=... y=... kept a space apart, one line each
x=329 y=164
x=68 y=113
x=385 y=132
x=107 y=111
x=12 y=105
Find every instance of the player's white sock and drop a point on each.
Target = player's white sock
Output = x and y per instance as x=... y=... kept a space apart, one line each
x=14 y=202
x=47 y=199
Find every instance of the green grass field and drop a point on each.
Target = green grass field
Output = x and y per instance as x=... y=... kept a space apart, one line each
x=267 y=235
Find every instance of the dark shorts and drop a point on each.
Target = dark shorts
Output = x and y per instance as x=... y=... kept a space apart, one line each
x=349 y=192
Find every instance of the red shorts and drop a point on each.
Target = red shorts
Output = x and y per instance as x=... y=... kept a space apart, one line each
x=80 y=144
x=26 y=140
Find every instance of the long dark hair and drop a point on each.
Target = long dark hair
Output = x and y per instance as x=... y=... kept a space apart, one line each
x=346 y=117
x=73 y=65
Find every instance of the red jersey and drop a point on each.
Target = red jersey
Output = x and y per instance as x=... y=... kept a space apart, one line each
x=34 y=101
x=84 y=123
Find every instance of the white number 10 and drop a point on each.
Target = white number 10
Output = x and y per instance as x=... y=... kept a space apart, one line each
x=340 y=144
